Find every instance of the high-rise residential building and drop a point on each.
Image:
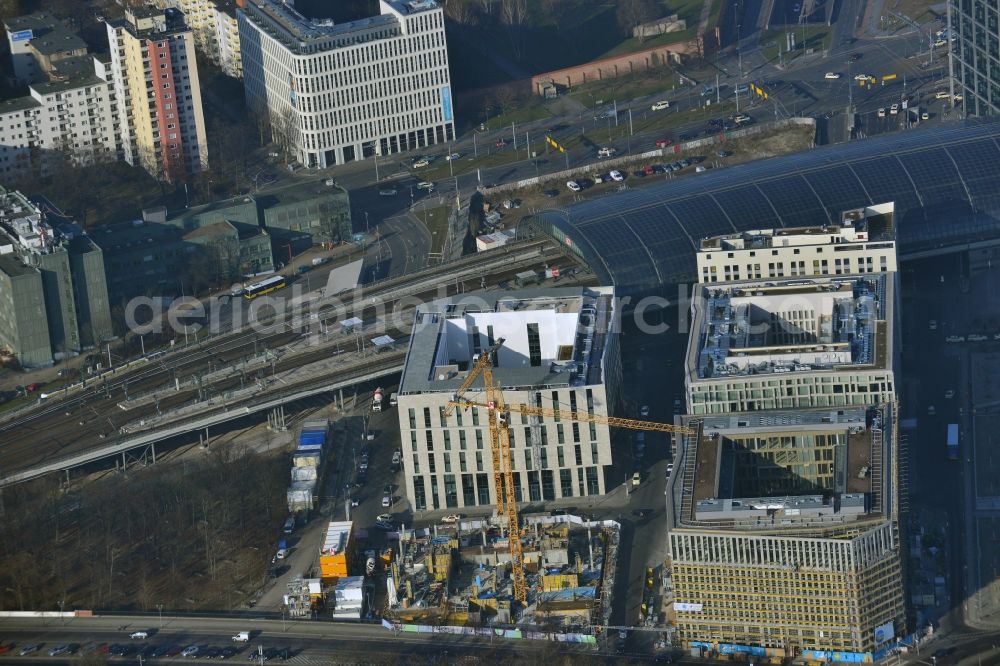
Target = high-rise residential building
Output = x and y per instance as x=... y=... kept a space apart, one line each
x=974 y=57
x=785 y=506
x=557 y=353
x=335 y=93
x=216 y=33
x=156 y=85
x=73 y=114
x=55 y=299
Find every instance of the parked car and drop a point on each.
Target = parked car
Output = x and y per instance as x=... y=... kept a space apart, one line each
x=139 y=634
x=453 y=156
x=573 y=186
x=663 y=143
x=662 y=104
x=452 y=518
x=421 y=163
x=616 y=175
x=425 y=185
x=65 y=648
x=551 y=194
x=31 y=388
x=386 y=501
x=606 y=152
x=833 y=76
x=29 y=648
x=190 y=651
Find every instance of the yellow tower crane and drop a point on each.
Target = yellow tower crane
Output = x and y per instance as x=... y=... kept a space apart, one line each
x=503 y=469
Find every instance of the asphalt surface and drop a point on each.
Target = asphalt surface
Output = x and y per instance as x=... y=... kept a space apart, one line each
x=307 y=642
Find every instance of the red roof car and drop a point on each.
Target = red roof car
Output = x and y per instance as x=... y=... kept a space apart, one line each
x=663 y=143
x=31 y=388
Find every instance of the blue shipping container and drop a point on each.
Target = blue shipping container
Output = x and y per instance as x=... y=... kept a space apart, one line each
x=312 y=438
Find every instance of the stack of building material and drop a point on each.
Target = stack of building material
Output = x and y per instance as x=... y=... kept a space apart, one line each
x=308 y=463
x=348 y=598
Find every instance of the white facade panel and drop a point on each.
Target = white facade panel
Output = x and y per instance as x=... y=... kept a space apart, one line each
x=336 y=94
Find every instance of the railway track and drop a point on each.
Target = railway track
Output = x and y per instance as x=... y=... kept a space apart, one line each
x=92 y=419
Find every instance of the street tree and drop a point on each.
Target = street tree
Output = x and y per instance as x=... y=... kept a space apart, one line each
x=633 y=13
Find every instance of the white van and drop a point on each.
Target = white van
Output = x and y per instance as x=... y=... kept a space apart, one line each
x=241 y=637
x=392 y=399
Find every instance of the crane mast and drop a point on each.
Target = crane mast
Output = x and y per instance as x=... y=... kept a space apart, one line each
x=503 y=468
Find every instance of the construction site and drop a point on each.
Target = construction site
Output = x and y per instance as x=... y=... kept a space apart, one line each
x=462 y=575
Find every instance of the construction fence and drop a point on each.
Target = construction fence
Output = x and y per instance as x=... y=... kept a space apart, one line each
x=517 y=634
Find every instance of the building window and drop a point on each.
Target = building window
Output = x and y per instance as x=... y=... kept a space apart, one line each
x=419 y=494
x=566 y=482
x=534 y=346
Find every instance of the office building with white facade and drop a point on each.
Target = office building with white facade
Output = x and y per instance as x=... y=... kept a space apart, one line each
x=786 y=344
x=795 y=318
x=557 y=354
x=860 y=243
x=336 y=93
x=155 y=75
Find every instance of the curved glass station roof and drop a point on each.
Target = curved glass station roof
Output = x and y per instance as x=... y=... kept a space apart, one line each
x=944 y=180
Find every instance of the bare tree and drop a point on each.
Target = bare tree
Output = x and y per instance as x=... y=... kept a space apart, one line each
x=514 y=13
x=505 y=98
x=633 y=13
x=458 y=11
x=261 y=119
